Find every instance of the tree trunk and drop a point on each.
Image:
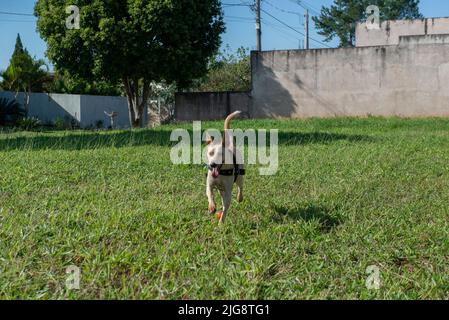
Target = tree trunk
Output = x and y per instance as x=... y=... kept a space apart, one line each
x=137 y=104
x=27 y=103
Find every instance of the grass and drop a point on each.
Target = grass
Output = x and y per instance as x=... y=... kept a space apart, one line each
x=349 y=193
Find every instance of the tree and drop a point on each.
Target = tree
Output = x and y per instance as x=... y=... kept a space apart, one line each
x=135 y=42
x=228 y=72
x=18 y=49
x=339 y=20
x=63 y=82
x=24 y=74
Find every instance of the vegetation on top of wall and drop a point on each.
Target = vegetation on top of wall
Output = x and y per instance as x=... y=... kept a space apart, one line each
x=228 y=71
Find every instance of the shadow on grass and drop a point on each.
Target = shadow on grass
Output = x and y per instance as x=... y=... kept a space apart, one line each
x=87 y=140
x=326 y=220
x=79 y=140
x=304 y=138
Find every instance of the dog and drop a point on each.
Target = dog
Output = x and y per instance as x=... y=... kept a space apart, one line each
x=225 y=169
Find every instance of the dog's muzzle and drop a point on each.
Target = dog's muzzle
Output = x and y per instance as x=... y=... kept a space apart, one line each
x=214 y=169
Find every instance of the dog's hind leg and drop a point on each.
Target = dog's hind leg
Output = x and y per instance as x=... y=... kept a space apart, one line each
x=226 y=197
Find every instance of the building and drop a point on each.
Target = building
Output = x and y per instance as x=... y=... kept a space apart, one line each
x=390 y=32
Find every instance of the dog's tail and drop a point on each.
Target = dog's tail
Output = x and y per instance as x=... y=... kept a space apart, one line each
x=227 y=124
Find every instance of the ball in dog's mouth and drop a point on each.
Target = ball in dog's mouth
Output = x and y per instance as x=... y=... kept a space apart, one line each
x=215 y=173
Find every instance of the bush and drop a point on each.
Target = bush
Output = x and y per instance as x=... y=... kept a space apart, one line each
x=10 y=112
x=66 y=123
x=99 y=124
x=29 y=124
x=60 y=123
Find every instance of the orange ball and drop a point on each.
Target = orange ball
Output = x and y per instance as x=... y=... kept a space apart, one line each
x=219 y=214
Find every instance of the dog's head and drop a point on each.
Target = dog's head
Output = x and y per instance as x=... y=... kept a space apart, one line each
x=219 y=156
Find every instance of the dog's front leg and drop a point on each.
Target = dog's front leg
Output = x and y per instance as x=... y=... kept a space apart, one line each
x=227 y=197
x=210 y=198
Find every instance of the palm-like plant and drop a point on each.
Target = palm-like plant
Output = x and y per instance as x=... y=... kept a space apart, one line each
x=25 y=74
x=10 y=112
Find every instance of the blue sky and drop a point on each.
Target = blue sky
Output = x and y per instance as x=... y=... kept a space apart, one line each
x=239 y=21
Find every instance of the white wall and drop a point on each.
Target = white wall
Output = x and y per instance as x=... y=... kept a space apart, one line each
x=85 y=109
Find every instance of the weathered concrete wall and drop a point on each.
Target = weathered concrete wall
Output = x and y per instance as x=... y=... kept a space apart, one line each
x=410 y=80
x=86 y=110
x=427 y=39
x=209 y=105
x=390 y=31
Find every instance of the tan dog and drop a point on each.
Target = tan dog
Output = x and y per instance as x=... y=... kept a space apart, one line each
x=225 y=168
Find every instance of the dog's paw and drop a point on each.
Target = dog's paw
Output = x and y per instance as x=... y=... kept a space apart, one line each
x=212 y=208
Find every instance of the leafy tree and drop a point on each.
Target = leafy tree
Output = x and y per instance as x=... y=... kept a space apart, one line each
x=339 y=20
x=135 y=42
x=228 y=72
x=24 y=74
x=63 y=82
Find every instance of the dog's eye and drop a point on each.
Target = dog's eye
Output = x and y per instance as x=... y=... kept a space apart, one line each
x=211 y=153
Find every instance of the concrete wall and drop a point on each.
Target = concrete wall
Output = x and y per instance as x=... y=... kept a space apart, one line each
x=410 y=80
x=93 y=108
x=85 y=109
x=420 y=40
x=209 y=105
x=390 y=31
x=49 y=107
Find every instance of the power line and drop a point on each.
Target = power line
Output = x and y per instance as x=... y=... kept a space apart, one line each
x=283 y=10
x=281 y=31
x=241 y=18
x=1 y=20
x=312 y=8
x=290 y=27
x=227 y=5
x=240 y=21
x=306 y=6
x=17 y=14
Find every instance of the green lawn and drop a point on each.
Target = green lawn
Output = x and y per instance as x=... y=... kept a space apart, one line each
x=349 y=193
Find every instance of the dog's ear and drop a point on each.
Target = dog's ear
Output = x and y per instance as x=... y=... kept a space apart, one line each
x=209 y=139
x=212 y=136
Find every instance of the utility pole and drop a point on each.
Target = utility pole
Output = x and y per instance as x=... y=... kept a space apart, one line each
x=258 y=26
x=307 y=29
